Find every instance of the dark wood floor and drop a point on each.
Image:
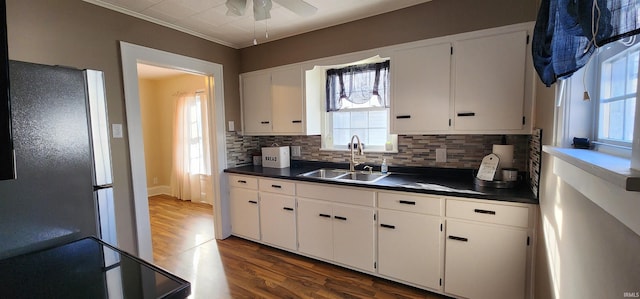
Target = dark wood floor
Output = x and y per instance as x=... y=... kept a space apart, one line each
x=183 y=242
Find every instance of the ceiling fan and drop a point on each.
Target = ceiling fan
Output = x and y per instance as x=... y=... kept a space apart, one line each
x=262 y=8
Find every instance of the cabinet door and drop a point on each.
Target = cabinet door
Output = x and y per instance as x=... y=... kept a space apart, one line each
x=409 y=247
x=245 y=213
x=315 y=236
x=256 y=103
x=287 y=99
x=485 y=261
x=278 y=220
x=421 y=89
x=353 y=236
x=489 y=82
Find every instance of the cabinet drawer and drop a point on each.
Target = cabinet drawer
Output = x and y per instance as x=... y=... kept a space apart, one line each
x=487 y=212
x=326 y=192
x=243 y=182
x=410 y=203
x=277 y=186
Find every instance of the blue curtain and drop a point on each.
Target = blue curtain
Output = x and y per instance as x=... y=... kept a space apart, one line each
x=568 y=31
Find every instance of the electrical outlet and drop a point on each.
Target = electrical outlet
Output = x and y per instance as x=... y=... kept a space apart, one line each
x=155 y=180
x=295 y=151
x=441 y=155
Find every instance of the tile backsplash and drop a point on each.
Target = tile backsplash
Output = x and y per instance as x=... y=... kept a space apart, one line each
x=463 y=151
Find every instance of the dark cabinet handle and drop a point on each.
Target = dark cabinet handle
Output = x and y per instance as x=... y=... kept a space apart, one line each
x=276 y=186
x=264 y=122
x=296 y=121
x=388 y=226
x=242 y=181
x=340 y=217
x=324 y=215
x=407 y=202
x=467 y=114
x=253 y=202
x=403 y=116
x=484 y=212
x=287 y=209
x=458 y=238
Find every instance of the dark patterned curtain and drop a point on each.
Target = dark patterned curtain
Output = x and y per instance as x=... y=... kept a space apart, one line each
x=358 y=84
x=568 y=31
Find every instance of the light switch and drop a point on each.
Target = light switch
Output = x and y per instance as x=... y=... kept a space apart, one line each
x=441 y=155
x=116 y=130
x=231 y=126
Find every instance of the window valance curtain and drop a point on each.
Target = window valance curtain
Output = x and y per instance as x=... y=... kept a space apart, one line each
x=358 y=84
x=568 y=31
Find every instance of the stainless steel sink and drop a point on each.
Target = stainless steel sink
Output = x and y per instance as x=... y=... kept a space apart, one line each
x=363 y=176
x=344 y=175
x=325 y=173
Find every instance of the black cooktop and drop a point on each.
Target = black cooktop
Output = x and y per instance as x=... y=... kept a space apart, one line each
x=86 y=268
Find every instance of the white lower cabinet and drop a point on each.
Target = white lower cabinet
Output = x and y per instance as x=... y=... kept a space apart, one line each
x=409 y=247
x=354 y=236
x=486 y=260
x=461 y=247
x=278 y=220
x=315 y=228
x=245 y=213
x=278 y=212
x=337 y=232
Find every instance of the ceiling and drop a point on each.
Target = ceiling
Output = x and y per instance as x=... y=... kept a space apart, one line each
x=207 y=18
x=146 y=71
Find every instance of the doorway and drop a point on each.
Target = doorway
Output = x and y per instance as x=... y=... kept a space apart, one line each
x=173 y=108
x=131 y=56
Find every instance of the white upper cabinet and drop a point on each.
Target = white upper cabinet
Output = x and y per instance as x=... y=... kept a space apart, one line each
x=420 y=85
x=477 y=82
x=274 y=102
x=473 y=83
x=256 y=102
x=287 y=99
x=489 y=84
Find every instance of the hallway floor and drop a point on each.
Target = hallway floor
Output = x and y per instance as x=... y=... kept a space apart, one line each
x=184 y=244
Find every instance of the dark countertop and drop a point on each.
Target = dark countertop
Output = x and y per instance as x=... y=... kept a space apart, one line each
x=427 y=180
x=86 y=268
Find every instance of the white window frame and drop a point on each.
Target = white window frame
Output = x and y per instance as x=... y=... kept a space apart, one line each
x=195 y=119
x=576 y=117
x=618 y=147
x=329 y=145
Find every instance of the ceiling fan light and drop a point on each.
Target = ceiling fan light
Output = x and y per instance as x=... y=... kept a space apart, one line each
x=236 y=7
x=261 y=9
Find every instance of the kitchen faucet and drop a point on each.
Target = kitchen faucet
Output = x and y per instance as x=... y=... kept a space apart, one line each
x=353 y=163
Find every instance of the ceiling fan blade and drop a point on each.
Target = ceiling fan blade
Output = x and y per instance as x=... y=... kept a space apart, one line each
x=299 y=7
x=236 y=7
x=261 y=9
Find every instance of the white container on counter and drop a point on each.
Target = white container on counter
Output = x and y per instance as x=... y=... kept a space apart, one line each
x=276 y=157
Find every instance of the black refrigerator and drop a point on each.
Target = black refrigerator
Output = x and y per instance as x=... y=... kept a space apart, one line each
x=62 y=190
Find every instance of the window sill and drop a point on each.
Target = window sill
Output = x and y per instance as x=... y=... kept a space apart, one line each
x=610 y=168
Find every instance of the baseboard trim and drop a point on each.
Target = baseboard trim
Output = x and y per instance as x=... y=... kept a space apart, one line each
x=159 y=190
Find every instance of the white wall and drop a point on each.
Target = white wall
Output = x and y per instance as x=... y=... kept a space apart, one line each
x=586 y=252
x=590 y=253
